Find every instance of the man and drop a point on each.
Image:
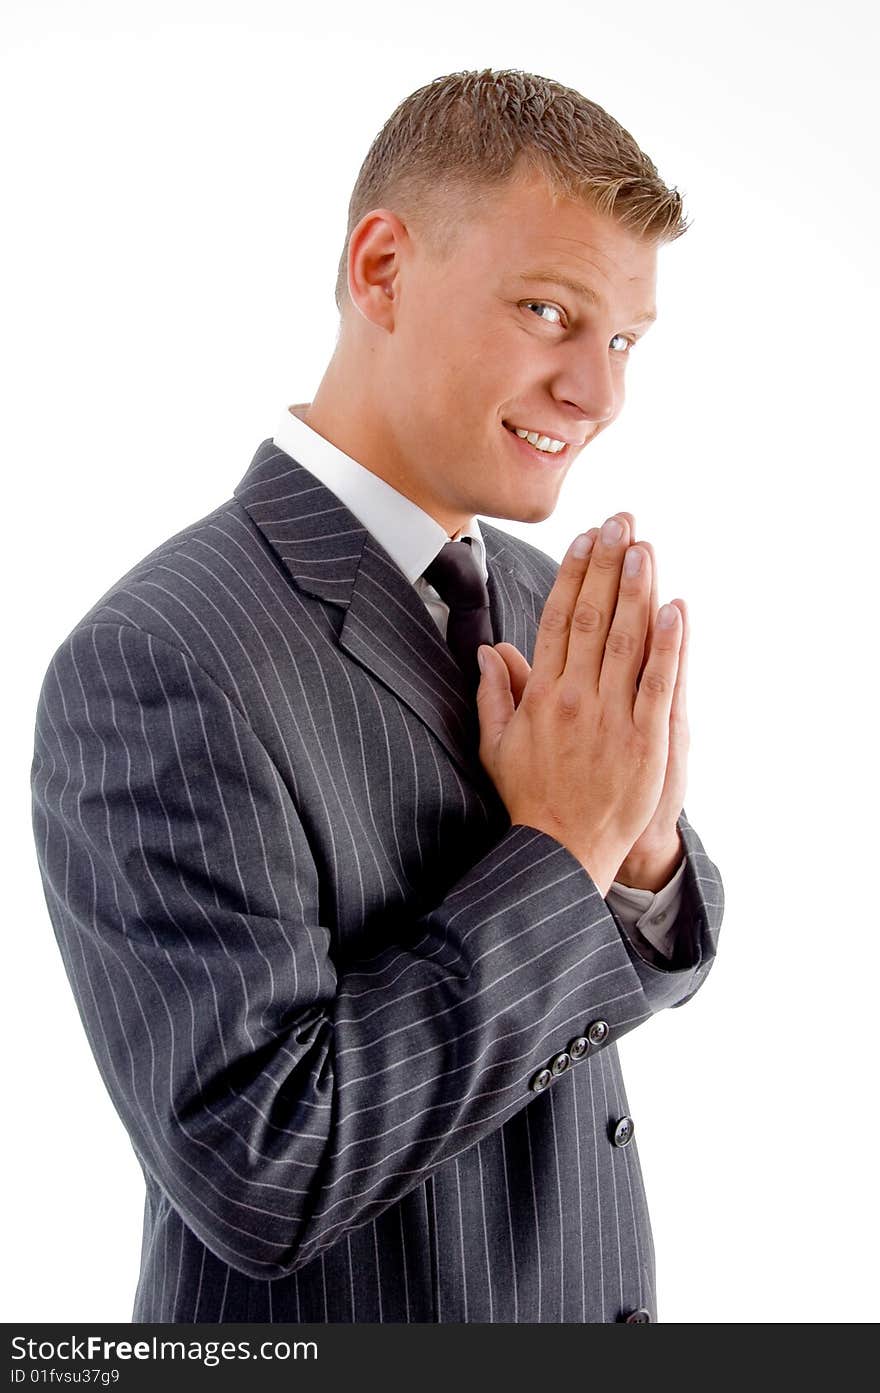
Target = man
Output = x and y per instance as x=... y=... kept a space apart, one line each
x=353 y=929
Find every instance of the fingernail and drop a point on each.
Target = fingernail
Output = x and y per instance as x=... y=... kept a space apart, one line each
x=632 y=562
x=612 y=531
x=582 y=545
x=667 y=616
x=481 y=658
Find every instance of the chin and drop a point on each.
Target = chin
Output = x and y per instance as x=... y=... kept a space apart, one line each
x=536 y=511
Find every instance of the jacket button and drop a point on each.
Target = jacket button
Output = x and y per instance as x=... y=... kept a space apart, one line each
x=598 y=1032
x=639 y=1317
x=578 y=1047
x=623 y=1131
x=541 y=1080
x=561 y=1063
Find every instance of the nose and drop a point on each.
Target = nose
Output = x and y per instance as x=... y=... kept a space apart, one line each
x=587 y=381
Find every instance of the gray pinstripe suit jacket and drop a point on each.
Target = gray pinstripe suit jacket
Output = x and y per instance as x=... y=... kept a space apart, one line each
x=317 y=966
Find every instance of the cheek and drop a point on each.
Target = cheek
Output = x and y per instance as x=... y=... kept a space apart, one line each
x=458 y=385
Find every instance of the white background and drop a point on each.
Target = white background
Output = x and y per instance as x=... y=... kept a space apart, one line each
x=176 y=180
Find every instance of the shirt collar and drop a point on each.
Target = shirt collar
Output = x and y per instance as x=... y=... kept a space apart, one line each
x=411 y=537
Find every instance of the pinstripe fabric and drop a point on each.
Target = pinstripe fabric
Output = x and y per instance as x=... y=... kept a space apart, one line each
x=316 y=965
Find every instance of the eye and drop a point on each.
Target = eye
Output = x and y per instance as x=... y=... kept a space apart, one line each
x=542 y=305
x=622 y=339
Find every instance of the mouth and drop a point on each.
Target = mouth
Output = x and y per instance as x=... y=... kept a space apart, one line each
x=550 y=459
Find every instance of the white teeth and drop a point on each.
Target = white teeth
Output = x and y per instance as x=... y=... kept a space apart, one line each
x=543 y=442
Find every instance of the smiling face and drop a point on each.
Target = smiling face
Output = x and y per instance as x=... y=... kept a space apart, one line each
x=527 y=325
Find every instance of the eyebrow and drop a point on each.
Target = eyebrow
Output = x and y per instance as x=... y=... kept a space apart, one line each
x=585 y=292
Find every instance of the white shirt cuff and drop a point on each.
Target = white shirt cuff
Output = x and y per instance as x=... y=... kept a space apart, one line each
x=652 y=912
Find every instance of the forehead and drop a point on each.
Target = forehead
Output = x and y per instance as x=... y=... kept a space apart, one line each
x=524 y=229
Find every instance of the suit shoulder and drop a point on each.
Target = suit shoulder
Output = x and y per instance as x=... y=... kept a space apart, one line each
x=533 y=564
x=157 y=586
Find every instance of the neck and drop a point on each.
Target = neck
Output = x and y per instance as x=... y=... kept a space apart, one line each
x=351 y=420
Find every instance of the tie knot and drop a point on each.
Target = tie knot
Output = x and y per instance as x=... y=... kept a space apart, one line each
x=456 y=576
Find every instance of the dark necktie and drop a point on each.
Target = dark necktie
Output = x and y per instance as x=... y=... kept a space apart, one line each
x=456 y=576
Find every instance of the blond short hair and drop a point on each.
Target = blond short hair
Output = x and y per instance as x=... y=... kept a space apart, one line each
x=460 y=138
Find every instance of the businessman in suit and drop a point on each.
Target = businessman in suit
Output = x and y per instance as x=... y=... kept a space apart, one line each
x=360 y=820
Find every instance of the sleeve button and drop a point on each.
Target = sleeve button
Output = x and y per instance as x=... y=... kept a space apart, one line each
x=578 y=1047
x=598 y=1032
x=541 y=1080
x=624 y=1130
x=561 y=1063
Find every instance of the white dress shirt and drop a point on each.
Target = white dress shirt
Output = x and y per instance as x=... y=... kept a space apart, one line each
x=412 y=538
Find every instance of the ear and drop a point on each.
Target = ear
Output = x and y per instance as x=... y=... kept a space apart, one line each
x=375 y=254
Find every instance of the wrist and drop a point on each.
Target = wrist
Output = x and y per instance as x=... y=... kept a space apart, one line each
x=650 y=868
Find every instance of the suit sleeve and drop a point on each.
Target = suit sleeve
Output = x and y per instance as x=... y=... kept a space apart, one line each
x=278 y=1101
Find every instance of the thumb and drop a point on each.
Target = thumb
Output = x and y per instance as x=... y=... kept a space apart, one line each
x=495 y=703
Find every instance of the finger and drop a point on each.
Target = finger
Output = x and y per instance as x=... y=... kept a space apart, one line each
x=653 y=704
x=654 y=601
x=652 y=608
x=495 y=704
x=594 y=531
x=630 y=519
x=625 y=644
x=593 y=612
x=517 y=667
x=678 y=712
x=675 y=786
x=552 y=638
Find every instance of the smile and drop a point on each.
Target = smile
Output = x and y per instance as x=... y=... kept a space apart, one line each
x=547 y=443
x=534 y=451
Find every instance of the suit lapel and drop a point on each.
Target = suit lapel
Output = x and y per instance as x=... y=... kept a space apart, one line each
x=386 y=628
